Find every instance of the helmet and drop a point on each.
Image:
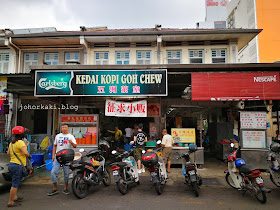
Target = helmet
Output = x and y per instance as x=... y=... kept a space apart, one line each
x=18 y=130
x=275 y=147
x=239 y=162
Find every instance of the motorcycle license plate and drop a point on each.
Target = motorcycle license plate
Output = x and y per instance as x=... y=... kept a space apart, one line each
x=259 y=180
x=71 y=176
x=153 y=173
x=191 y=172
x=115 y=173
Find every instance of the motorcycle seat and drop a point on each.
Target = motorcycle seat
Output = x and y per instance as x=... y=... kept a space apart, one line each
x=246 y=169
x=190 y=164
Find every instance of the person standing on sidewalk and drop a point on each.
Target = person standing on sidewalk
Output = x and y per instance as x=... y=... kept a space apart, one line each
x=18 y=153
x=140 y=138
x=128 y=135
x=167 y=143
x=118 y=135
x=64 y=140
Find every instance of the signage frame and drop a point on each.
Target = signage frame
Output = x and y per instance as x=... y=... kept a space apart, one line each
x=105 y=95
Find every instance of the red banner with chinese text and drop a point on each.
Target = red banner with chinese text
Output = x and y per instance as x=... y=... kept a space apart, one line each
x=235 y=86
x=126 y=109
x=79 y=119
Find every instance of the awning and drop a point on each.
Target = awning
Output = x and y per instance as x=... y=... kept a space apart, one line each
x=235 y=86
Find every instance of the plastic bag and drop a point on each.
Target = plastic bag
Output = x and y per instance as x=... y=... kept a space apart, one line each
x=45 y=143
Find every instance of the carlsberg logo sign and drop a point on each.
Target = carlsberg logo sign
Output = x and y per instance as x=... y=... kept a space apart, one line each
x=51 y=84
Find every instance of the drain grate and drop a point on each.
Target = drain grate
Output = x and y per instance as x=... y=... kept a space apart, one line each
x=210 y=181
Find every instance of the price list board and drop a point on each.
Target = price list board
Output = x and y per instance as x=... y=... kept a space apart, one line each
x=253 y=120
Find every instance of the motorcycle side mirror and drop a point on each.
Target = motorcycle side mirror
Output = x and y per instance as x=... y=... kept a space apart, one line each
x=232 y=145
x=114 y=152
x=131 y=143
x=81 y=150
x=159 y=142
x=143 y=151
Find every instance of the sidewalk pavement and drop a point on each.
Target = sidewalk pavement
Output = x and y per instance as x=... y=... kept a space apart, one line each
x=212 y=168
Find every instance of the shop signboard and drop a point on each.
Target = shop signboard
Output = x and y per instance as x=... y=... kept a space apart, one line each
x=153 y=110
x=253 y=120
x=253 y=139
x=153 y=129
x=235 y=86
x=183 y=135
x=101 y=83
x=79 y=119
x=126 y=109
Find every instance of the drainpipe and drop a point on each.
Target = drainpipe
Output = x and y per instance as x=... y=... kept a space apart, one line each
x=86 y=48
x=19 y=56
x=159 y=40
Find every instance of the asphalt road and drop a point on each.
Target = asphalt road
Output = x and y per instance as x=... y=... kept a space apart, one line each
x=213 y=195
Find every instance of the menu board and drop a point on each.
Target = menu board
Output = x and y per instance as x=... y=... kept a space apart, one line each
x=183 y=135
x=253 y=139
x=253 y=120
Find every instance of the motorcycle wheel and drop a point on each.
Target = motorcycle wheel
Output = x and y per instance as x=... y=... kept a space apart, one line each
x=159 y=188
x=230 y=181
x=195 y=188
x=276 y=183
x=106 y=178
x=79 y=186
x=122 y=187
x=260 y=194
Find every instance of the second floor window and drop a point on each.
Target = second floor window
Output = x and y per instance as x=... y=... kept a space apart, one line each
x=219 y=56
x=143 y=57
x=173 y=57
x=72 y=58
x=30 y=59
x=122 y=58
x=196 y=56
x=51 y=58
x=102 y=58
x=4 y=63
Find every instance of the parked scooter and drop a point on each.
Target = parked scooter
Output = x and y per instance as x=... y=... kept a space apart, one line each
x=89 y=171
x=248 y=178
x=156 y=166
x=190 y=171
x=274 y=167
x=125 y=173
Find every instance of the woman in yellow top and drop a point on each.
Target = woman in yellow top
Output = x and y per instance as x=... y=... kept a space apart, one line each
x=18 y=147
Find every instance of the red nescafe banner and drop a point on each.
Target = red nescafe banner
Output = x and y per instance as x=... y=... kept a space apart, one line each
x=235 y=86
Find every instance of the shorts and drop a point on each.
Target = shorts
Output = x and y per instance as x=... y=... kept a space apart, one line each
x=118 y=143
x=16 y=171
x=138 y=152
x=167 y=154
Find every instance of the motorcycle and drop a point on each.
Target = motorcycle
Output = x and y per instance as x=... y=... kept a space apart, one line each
x=190 y=171
x=89 y=171
x=125 y=172
x=273 y=164
x=244 y=177
x=104 y=147
x=157 y=169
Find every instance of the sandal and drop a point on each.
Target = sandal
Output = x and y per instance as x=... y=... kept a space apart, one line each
x=19 y=199
x=15 y=204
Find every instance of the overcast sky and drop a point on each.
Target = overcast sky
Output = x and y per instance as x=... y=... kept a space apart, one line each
x=71 y=14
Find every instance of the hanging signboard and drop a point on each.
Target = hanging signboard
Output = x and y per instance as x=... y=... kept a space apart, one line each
x=253 y=120
x=79 y=119
x=254 y=139
x=101 y=83
x=183 y=135
x=126 y=109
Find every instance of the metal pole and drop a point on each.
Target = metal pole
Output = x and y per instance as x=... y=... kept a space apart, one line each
x=201 y=124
